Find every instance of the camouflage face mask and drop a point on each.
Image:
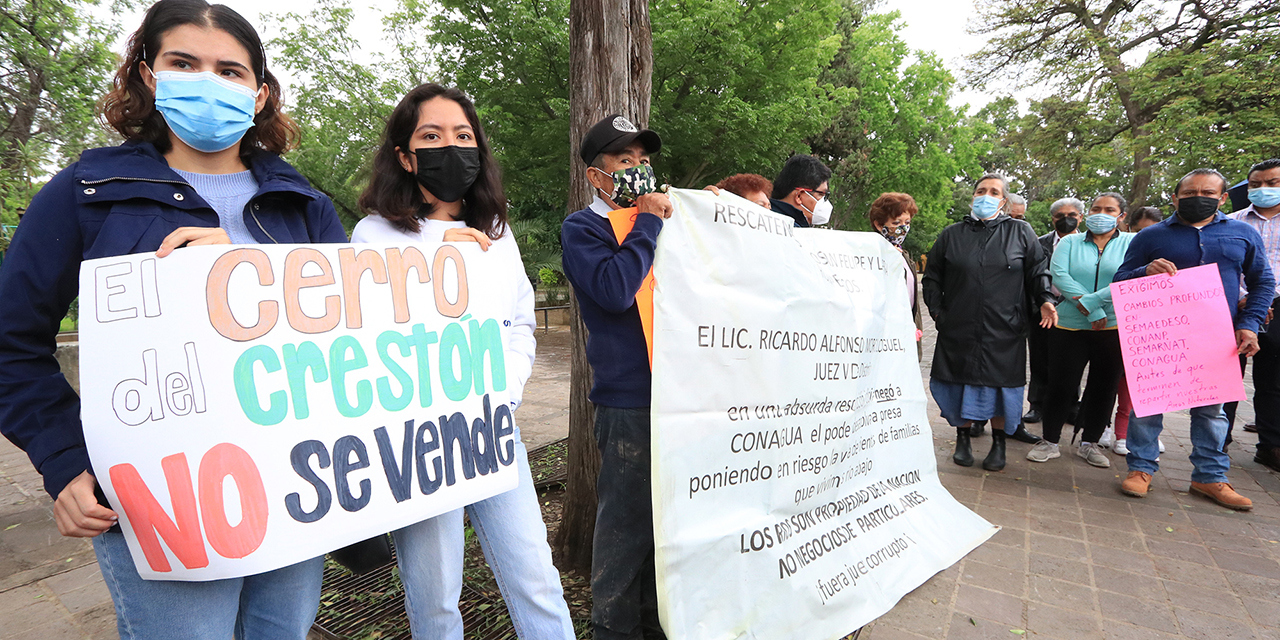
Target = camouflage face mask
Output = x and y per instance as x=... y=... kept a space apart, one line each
x=631 y=183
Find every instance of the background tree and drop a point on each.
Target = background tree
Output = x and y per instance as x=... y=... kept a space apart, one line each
x=340 y=104
x=55 y=62
x=611 y=67
x=736 y=84
x=894 y=129
x=1141 y=59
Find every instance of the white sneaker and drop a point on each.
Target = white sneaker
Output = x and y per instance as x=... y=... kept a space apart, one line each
x=1093 y=455
x=1044 y=451
x=1118 y=447
x=1107 y=437
x=1161 y=443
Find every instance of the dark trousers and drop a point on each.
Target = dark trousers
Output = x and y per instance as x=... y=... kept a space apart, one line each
x=1071 y=351
x=1038 y=354
x=623 y=588
x=1266 y=395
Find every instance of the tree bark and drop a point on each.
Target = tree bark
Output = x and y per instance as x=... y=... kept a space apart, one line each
x=611 y=69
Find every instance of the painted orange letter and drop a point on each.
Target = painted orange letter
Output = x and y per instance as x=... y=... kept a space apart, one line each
x=353 y=266
x=398 y=267
x=458 y=307
x=149 y=518
x=216 y=295
x=242 y=539
x=294 y=282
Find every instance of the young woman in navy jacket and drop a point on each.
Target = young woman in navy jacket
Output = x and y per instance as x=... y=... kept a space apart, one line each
x=201 y=117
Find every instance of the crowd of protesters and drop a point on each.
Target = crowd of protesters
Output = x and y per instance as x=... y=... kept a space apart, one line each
x=200 y=112
x=989 y=282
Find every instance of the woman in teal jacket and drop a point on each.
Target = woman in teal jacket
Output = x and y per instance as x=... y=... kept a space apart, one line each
x=1083 y=267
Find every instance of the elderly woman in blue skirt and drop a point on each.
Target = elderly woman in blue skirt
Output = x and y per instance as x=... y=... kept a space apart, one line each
x=980 y=274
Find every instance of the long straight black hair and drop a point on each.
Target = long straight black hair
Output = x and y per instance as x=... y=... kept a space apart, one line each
x=393 y=193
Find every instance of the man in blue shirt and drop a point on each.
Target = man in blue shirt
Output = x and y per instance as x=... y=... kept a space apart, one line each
x=1198 y=235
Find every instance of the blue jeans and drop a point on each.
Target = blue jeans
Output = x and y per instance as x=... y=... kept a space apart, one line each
x=276 y=605
x=1208 y=432
x=514 y=539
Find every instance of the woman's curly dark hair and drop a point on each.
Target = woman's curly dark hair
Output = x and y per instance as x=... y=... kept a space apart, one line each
x=130 y=106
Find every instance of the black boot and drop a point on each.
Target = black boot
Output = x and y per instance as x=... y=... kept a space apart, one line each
x=995 y=458
x=979 y=427
x=1267 y=456
x=964 y=449
x=1022 y=435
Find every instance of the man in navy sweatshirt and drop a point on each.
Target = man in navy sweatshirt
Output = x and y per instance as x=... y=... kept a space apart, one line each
x=606 y=276
x=1200 y=235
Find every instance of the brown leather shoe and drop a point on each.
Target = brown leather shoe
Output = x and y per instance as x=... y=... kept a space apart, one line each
x=1223 y=494
x=1136 y=484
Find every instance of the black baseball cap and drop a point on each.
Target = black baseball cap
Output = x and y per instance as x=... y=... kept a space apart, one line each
x=613 y=134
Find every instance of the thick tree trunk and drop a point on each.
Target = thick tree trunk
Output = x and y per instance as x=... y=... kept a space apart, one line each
x=1141 y=183
x=19 y=129
x=611 y=66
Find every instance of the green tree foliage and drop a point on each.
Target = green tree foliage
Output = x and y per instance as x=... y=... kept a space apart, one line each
x=1163 y=86
x=341 y=105
x=735 y=89
x=896 y=132
x=512 y=58
x=55 y=62
x=736 y=84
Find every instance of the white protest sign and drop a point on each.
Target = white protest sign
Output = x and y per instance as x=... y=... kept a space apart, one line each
x=795 y=489
x=247 y=408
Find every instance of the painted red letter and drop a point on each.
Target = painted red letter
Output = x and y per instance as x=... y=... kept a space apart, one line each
x=149 y=518
x=242 y=539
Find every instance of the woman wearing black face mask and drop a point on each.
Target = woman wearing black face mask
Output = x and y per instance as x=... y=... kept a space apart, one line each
x=435 y=180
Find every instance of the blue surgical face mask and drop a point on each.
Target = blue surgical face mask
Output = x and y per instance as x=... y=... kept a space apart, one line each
x=205 y=111
x=1265 y=197
x=1100 y=223
x=985 y=207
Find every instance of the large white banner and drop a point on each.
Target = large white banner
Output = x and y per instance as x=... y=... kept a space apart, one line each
x=795 y=489
x=247 y=408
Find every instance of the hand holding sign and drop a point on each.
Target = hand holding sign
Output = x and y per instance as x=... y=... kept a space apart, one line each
x=1179 y=347
x=77 y=512
x=1246 y=342
x=298 y=399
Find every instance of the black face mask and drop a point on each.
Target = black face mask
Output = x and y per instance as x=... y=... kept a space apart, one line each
x=1197 y=208
x=448 y=172
x=1065 y=225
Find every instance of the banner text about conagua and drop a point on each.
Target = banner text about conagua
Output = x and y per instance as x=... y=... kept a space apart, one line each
x=796 y=494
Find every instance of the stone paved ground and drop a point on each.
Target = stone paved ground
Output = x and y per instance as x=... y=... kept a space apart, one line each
x=50 y=586
x=1075 y=558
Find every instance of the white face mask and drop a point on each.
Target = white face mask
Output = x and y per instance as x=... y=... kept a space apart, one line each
x=821 y=213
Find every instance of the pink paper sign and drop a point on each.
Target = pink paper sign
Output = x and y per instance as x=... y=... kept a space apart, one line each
x=1177 y=341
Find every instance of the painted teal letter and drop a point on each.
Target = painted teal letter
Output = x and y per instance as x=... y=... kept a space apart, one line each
x=247 y=390
x=339 y=366
x=487 y=338
x=390 y=401
x=296 y=362
x=421 y=340
x=458 y=386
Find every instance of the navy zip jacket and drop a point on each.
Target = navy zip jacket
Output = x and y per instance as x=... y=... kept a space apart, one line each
x=113 y=201
x=1235 y=246
x=786 y=209
x=605 y=278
